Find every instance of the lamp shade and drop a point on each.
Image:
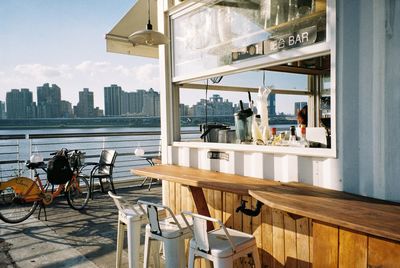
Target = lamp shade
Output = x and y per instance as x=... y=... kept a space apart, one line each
x=148 y=37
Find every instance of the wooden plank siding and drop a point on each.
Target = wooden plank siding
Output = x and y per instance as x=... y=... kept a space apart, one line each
x=288 y=240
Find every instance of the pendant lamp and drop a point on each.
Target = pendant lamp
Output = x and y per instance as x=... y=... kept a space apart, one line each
x=148 y=37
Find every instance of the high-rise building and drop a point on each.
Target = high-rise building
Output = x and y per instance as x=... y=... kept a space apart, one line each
x=124 y=103
x=17 y=103
x=112 y=100
x=216 y=105
x=298 y=106
x=66 y=109
x=151 y=103
x=138 y=104
x=32 y=111
x=271 y=103
x=2 y=110
x=135 y=102
x=49 y=101
x=183 y=109
x=85 y=106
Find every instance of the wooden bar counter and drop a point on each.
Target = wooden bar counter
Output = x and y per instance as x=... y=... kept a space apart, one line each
x=299 y=226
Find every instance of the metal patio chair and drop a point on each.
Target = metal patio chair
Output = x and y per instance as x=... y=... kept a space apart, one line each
x=103 y=170
x=172 y=231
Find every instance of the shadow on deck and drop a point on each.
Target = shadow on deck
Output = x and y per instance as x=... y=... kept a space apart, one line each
x=71 y=238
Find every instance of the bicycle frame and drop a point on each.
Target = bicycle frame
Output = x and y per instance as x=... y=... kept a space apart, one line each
x=33 y=190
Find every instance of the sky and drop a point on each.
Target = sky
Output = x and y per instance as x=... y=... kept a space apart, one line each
x=63 y=42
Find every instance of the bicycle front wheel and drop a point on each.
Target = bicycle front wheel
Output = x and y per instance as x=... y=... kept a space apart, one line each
x=13 y=208
x=77 y=192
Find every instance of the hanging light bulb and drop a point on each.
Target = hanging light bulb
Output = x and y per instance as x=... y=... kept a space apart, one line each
x=148 y=37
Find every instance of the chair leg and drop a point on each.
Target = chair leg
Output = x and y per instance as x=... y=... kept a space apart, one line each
x=112 y=185
x=120 y=243
x=191 y=259
x=151 y=181
x=223 y=263
x=146 y=250
x=155 y=253
x=133 y=242
x=144 y=181
x=91 y=186
x=256 y=258
x=101 y=185
x=174 y=253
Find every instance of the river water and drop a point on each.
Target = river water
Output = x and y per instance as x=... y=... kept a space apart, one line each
x=19 y=150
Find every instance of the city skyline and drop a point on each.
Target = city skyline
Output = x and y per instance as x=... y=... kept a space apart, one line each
x=118 y=102
x=19 y=103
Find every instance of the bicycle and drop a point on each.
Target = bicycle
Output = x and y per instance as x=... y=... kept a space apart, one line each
x=20 y=196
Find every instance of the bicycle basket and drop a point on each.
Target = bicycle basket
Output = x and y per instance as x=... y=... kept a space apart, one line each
x=77 y=159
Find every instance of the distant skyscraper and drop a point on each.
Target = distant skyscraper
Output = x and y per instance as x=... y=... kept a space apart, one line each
x=151 y=103
x=18 y=103
x=138 y=104
x=66 y=109
x=85 y=106
x=298 y=106
x=183 y=109
x=271 y=104
x=2 y=110
x=49 y=101
x=124 y=103
x=112 y=100
x=135 y=102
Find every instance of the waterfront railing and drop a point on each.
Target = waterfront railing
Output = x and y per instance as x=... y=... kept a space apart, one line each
x=16 y=149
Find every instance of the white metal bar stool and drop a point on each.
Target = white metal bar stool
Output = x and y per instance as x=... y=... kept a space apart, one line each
x=130 y=219
x=172 y=231
x=221 y=246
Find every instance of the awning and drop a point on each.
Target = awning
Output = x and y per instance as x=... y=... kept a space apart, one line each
x=135 y=20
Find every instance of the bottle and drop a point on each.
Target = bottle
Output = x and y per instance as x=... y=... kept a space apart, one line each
x=303 y=140
x=273 y=136
x=292 y=137
x=292 y=10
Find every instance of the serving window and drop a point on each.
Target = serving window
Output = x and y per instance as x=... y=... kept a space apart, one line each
x=224 y=51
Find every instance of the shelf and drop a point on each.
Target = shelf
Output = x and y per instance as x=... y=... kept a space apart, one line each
x=288 y=24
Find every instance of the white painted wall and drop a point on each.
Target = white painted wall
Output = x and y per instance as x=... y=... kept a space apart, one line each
x=368 y=113
x=368 y=96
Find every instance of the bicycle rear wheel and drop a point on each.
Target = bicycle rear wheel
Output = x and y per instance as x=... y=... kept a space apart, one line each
x=77 y=192
x=13 y=208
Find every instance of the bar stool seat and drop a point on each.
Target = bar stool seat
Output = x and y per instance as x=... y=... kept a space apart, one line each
x=221 y=246
x=172 y=231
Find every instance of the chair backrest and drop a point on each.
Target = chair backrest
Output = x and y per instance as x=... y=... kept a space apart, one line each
x=200 y=233
x=107 y=158
x=123 y=205
x=152 y=215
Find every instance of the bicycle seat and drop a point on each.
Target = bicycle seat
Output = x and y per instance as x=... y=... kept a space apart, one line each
x=32 y=165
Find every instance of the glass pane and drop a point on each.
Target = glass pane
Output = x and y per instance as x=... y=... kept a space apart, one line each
x=224 y=32
x=325 y=106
